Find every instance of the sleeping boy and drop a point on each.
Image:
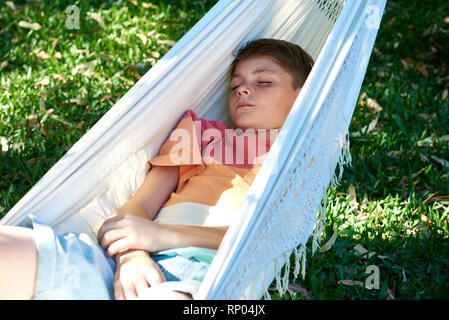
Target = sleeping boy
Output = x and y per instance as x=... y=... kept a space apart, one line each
x=161 y=242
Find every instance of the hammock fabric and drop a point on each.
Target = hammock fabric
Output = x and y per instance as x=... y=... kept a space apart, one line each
x=286 y=202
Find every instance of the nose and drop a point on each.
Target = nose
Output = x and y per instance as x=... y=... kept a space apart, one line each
x=243 y=89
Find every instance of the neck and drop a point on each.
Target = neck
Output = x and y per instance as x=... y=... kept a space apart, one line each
x=267 y=134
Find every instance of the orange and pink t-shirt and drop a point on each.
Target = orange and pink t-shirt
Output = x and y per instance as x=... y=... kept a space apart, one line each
x=217 y=163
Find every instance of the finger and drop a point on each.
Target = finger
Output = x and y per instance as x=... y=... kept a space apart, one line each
x=106 y=226
x=129 y=291
x=111 y=236
x=122 y=244
x=153 y=276
x=141 y=285
x=111 y=223
x=118 y=290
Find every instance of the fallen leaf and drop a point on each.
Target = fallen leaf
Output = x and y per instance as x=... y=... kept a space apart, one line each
x=59 y=78
x=44 y=132
x=147 y=5
x=445 y=138
x=95 y=16
x=107 y=97
x=441 y=161
x=404 y=182
x=54 y=43
x=42 y=55
x=372 y=124
x=76 y=101
x=390 y=295
x=58 y=55
x=297 y=288
x=32 y=161
x=430 y=30
x=421 y=67
x=42 y=103
x=446 y=19
x=5 y=144
x=84 y=66
x=366 y=129
x=395 y=154
x=329 y=243
x=362 y=251
x=42 y=83
x=373 y=104
x=353 y=195
x=417 y=173
x=424 y=142
x=11 y=5
x=33 y=26
x=416 y=229
x=169 y=43
x=80 y=51
x=426 y=116
x=30 y=121
x=79 y=126
x=426 y=219
x=423 y=158
x=350 y=283
x=118 y=40
x=444 y=94
x=409 y=63
x=142 y=37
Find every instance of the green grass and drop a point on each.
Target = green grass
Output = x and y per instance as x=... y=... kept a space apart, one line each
x=112 y=59
x=393 y=201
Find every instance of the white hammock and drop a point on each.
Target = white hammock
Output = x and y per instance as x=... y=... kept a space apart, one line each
x=108 y=164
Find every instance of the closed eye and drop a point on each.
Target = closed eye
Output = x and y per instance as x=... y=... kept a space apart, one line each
x=259 y=82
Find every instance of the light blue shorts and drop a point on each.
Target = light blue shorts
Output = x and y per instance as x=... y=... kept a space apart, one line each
x=73 y=267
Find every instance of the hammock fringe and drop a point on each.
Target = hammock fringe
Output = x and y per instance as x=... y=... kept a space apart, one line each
x=282 y=281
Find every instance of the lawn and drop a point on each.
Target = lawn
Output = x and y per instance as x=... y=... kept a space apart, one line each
x=390 y=211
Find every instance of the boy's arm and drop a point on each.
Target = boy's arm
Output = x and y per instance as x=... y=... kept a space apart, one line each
x=145 y=203
x=130 y=232
x=178 y=236
x=135 y=270
x=152 y=194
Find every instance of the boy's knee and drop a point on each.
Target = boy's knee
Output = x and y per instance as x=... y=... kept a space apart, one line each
x=12 y=236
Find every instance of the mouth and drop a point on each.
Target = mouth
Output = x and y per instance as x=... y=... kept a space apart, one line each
x=243 y=105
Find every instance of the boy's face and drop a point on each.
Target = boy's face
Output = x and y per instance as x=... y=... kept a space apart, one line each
x=262 y=94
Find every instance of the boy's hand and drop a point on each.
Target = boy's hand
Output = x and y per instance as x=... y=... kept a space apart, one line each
x=135 y=272
x=125 y=232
